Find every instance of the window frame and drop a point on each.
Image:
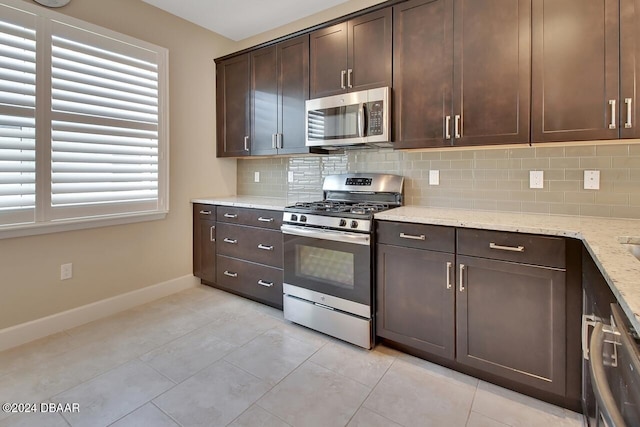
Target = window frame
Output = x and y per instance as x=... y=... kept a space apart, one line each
x=44 y=221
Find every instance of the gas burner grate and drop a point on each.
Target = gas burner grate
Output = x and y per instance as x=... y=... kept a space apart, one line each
x=363 y=208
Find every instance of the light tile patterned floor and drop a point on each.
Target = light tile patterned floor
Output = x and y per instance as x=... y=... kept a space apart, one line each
x=203 y=357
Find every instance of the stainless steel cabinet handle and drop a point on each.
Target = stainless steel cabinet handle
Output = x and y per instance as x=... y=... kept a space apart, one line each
x=462 y=267
x=273 y=141
x=205 y=212
x=628 y=124
x=449 y=285
x=412 y=237
x=263 y=219
x=349 y=77
x=230 y=274
x=246 y=143
x=457 y=126
x=211 y=231
x=447 y=127
x=228 y=240
x=266 y=284
x=343 y=73
x=265 y=247
x=506 y=248
x=612 y=125
x=228 y=215
x=279 y=141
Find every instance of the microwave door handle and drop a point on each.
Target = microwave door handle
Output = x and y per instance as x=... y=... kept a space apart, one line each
x=361 y=120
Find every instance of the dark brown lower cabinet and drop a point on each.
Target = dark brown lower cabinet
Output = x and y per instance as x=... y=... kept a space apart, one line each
x=259 y=282
x=204 y=242
x=510 y=321
x=416 y=298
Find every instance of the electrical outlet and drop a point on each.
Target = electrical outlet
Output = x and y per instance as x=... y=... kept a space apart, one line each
x=256 y=177
x=66 y=271
x=434 y=177
x=290 y=176
x=536 y=179
x=591 y=180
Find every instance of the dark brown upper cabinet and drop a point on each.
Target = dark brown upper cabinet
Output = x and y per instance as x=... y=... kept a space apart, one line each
x=629 y=67
x=461 y=72
x=353 y=55
x=279 y=89
x=233 y=89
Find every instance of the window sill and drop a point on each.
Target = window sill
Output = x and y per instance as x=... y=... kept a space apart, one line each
x=23 y=230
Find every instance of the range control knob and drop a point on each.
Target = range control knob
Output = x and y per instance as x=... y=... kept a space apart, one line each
x=294 y=217
x=354 y=224
x=303 y=218
x=343 y=223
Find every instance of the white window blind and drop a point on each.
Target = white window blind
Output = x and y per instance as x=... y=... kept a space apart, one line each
x=17 y=116
x=83 y=121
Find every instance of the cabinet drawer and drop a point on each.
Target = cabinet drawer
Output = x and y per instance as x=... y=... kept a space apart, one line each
x=419 y=236
x=203 y=211
x=517 y=247
x=250 y=243
x=253 y=217
x=253 y=280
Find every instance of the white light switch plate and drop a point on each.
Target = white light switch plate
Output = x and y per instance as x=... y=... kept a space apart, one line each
x=66 y=271
x=536 y=179
x=434 y=177
x=591 y=180
x=256 y=177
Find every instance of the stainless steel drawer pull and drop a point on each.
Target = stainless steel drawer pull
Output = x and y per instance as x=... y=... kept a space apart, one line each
x=263 y=219
x=629 y=123
x=273 y=141
x=457 y=126
x=612 y=125
x=447 y=127
x=506 y=248
x=265 y=247
x=211 y=233
x=343 y=73
x=349 y=77
x=265 y=284
x=228 y=215
x=412 y=237
x=232 y=241
x=205 y=212
x=246 y=143
x=449 y=265
x=462 y=267
x=230 y=274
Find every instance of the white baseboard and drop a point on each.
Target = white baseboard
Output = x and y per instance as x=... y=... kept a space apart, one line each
x=39 y=328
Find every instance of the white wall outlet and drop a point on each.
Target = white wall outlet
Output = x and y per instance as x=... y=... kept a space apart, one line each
x=536 y=179
x=591 y=180
x=66 y=271
x=256 y=177
x=434 y=177
x=290 y=176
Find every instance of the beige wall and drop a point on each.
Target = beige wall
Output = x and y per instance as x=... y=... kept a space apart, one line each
x=113 y=260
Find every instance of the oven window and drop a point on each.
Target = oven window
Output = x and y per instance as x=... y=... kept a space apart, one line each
x=326 y=265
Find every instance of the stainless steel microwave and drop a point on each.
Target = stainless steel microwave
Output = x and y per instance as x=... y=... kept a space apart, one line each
x=352 y=119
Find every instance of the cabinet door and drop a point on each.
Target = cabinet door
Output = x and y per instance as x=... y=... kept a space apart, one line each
x=629 y=67
x=233 y=107
x=293 y=72
x=511 y=321
x=415 y=301
x=369 y=51
x=492 y=72
x=328 y=61
x=575 y=79
x=264 y=100
x=204 y=257
x=422 y=72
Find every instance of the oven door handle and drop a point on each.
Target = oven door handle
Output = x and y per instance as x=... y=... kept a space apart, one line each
x=604 y=398
x=321 y=233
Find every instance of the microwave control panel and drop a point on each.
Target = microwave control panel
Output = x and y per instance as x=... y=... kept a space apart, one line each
x=375 y=122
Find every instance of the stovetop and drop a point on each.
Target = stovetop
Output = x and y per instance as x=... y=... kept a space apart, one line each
x=366 y=209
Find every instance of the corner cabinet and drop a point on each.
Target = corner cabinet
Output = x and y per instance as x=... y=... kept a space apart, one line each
x=233 y=90
x=204 y=242
x=450 y=86
x=352 y=55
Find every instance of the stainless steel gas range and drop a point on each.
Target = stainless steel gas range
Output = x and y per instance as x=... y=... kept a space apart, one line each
x=328 y=255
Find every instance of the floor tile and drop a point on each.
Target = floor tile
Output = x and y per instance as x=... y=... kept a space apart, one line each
x=31 y=354
x=305 y=334
x=411 y=395
x=271 y=356
x=34 y=420
x=364 y=366
x=114 y=394
x=147 y=416
x=315 y=396
x=367 y=418
x=187 y=355
x=479 y=420
x=214 y=396
x=240 y=327
x=256 y=416
x=437 y=370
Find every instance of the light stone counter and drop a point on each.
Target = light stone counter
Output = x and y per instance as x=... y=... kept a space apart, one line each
x=601 y=236
x=254 y=202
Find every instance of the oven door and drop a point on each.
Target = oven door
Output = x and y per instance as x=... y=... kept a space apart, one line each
x=330 y=262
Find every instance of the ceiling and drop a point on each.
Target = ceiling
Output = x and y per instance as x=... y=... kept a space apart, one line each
x=239 y=19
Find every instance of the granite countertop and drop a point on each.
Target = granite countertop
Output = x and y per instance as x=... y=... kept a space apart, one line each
x=255 y=202
x=601 y=236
